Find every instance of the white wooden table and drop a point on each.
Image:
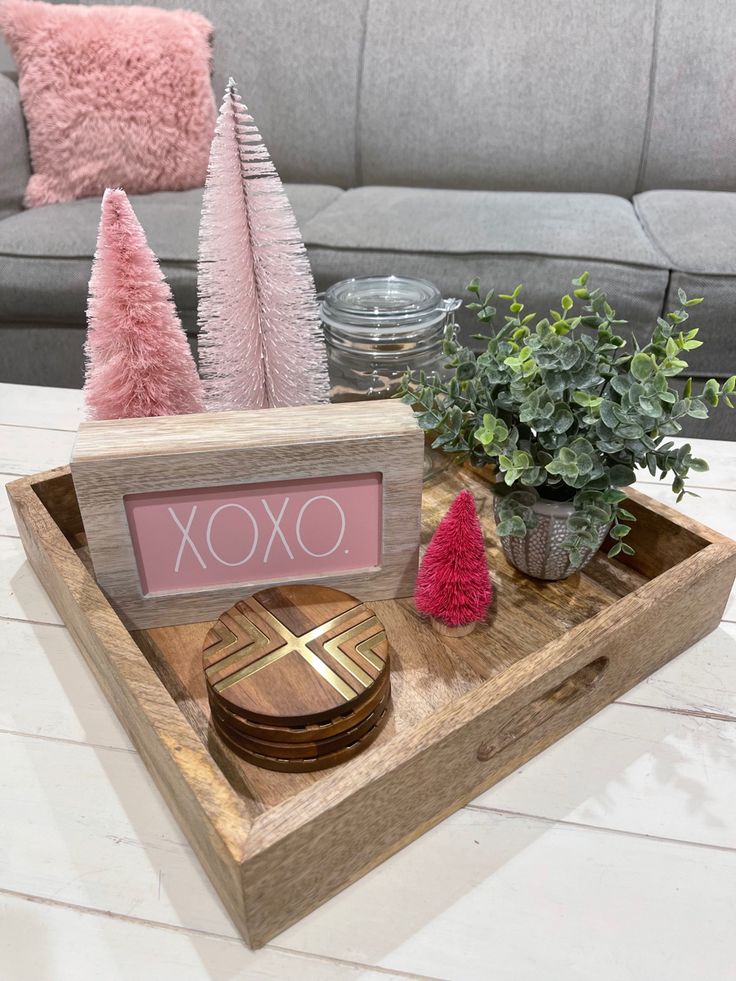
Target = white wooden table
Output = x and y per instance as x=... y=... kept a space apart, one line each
x=610 y=856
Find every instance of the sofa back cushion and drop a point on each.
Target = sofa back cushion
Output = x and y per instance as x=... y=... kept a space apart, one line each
x=14 y=166
x=692 y=137
x=567 y=95
x=509 y=94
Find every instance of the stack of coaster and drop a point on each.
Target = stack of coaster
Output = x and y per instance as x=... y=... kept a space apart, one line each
x=298 y=677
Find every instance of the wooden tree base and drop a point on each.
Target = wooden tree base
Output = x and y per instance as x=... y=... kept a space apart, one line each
x=448 y=631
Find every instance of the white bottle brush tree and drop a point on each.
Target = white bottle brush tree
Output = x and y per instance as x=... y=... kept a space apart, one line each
x=260 y=341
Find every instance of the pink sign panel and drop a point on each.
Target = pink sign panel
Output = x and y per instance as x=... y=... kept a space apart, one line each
x=251 y=533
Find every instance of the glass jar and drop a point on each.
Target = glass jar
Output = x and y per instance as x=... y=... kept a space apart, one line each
x=377 y=327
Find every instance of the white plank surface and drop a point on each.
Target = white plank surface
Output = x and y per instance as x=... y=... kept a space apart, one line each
x=485 y=896
x=117 y=849
x=634 y=769
x=42 y=408
x=22 y=597
x=715 y=508
x=729 y=614
x=464 y=885
x=702 y=679
x=629 y=769
x=7 y=522
x=42 y=942
x=612 y=856
x=24 y=450
x=46 y=688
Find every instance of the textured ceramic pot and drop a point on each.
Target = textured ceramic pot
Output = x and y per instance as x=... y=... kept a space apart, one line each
x=541 y=554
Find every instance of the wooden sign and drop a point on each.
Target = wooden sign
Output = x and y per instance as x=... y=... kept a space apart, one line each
x=184 y=515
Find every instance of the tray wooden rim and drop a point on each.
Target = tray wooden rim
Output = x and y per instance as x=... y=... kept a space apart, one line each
x=137 y=693
x=547 y=666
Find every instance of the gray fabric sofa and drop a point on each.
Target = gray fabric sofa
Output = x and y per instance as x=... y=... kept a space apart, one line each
x=516 y=140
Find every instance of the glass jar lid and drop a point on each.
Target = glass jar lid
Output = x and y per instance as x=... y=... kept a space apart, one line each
x=380 y=307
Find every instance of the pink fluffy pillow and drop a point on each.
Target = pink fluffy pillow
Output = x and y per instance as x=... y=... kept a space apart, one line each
x=112 y=96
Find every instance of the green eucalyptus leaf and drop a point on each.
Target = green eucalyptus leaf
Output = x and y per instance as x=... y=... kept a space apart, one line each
x=620 y=531
x=608 y=414
x=621 y=476
x=584 y=463
x=562 y=418
x=613 y=496
x=642 y=366
x=697 y=409
x=651 y=407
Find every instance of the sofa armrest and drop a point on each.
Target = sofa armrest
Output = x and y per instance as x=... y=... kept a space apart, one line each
x=15 y=165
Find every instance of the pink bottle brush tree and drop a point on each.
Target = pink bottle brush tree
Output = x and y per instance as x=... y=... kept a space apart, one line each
x=138 y=361
x=453 y=586
x=260 y=341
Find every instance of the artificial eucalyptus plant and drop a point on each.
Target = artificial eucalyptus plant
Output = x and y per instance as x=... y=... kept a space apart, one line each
x=567 y=407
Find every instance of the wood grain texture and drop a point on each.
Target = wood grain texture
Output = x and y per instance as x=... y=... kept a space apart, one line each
x=132 y=456
x=303 y=749
x=312 y=764
x=295 y=655
x=465 y=711
x=304 y=734
x=416 y=781
x=174 y=436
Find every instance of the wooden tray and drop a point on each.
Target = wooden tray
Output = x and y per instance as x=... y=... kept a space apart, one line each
x=465 y=711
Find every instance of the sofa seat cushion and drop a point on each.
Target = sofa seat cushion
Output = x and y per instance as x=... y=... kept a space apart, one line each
x=696 y=232
x=543 y=240
x=46 y=253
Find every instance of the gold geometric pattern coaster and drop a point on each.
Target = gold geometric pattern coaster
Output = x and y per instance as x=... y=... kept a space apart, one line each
x=296 y=657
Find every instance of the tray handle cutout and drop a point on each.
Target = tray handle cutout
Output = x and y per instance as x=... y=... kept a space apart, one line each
x=544 y=708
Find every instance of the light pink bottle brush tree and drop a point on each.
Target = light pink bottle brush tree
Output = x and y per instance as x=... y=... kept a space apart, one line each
x=260 y=340
x=138 y=361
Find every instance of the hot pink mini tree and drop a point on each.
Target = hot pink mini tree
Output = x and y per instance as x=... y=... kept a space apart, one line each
x=138 y=361
x=260 y=341
x=453 y=586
